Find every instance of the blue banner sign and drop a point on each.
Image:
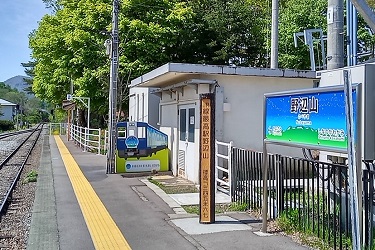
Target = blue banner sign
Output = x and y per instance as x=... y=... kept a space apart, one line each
x=314 y=118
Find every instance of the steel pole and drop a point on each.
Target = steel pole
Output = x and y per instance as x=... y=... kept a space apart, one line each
x=275 y=35
x=113 y=90
x=354 y=34
x=349 y=33
x=352 y=164
x=265 y=189
x=335 y=34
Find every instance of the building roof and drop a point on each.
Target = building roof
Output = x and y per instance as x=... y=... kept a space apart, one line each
x=175 y=72
x=6 y=103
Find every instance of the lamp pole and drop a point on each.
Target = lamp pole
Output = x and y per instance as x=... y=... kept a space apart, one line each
x=113 y=90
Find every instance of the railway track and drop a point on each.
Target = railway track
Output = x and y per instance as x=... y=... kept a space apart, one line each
x=13 y=161
x=16 y=133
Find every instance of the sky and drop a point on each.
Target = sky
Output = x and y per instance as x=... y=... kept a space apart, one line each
x=17 y=19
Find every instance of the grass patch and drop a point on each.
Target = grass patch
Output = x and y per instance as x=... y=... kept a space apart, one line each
x=298 y=223
x=30 y=177
x=174 y=189
x=191 y=209
x=156 y=183
x=219 y=208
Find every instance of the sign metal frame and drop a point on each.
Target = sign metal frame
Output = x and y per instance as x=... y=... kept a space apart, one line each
x=356 y=88
x=356 y=138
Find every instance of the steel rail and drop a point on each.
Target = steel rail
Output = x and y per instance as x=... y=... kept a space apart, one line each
x=6 y=135
x=19 y=146
x=10 y=190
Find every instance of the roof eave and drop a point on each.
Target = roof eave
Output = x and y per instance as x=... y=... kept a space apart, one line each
x=159 y=75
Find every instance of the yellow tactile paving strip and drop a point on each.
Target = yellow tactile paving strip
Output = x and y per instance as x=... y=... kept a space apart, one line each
x=103 y=230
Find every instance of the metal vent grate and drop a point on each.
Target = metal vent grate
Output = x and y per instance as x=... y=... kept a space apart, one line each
x=181 y=159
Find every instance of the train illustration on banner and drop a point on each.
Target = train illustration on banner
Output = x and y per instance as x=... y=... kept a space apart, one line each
x=141 y=148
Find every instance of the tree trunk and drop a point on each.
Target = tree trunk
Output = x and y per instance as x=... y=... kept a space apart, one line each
x=81 y=116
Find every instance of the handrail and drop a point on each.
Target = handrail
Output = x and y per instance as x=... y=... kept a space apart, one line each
x=89 y=139
x=223 y=169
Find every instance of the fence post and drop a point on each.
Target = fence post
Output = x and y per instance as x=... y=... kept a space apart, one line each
x=85 y=139
x=230 y=168
x=216 y=164
x=99 y=143
x=265 y=189
x=279 y=185
x=73 y=134
x=50 y=129
x=105 y=140
x=80 y=137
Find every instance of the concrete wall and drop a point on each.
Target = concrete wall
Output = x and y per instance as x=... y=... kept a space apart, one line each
x=169 y=122
x=365 y=75
x=143 y=106
x=242 y=120
x=243 y=100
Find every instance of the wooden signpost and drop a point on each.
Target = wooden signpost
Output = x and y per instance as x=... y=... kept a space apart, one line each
x=207 y=159
x=69 y=106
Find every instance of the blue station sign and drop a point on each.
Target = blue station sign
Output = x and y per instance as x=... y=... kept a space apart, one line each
x=315 y=118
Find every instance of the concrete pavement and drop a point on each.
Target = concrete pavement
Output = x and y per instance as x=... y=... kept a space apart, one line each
x=147 y=217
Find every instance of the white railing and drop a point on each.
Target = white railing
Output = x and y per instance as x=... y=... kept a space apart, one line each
x=223 y=167
x=89 y=139
x=57 y=128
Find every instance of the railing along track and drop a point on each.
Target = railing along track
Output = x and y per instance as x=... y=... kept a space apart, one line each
x=5 y=198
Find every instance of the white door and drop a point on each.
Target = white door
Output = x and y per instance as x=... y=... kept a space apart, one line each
x=186 y=149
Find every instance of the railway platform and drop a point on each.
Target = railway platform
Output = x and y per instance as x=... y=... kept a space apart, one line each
x=78 y=206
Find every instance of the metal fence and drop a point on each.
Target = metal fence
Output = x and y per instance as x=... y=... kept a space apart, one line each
x=57 y=128
x=368 y=203
x=223 y=169
x=89 y=139
x=312 y=195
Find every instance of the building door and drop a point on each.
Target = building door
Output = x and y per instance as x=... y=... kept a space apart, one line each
x=186 y=149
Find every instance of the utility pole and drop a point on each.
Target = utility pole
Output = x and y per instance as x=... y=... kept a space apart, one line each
x=275 y=35
x=113 y=90
x=335 y=34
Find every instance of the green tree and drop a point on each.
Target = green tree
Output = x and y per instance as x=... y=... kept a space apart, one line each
x=296 y=16
x=237 y=31
x=29 y=71
x=68 y=47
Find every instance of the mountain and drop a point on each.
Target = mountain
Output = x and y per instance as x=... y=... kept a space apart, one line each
x=18 y=82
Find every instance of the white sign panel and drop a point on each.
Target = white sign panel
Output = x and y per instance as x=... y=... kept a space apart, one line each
x=330 y=17
x=142 y=166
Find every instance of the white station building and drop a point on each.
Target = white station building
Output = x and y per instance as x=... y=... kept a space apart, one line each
x=168 y=98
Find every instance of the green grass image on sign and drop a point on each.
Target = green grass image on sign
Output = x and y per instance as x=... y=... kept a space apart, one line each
x=310 y=136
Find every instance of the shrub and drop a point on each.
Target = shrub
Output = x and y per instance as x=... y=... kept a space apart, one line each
x=31 y=177
x=6 y=125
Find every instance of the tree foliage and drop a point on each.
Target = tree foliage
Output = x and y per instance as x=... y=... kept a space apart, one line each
x=27 y=105
x=68 y=44
x=237 y=31
x=297 y=16
x=67 y=48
